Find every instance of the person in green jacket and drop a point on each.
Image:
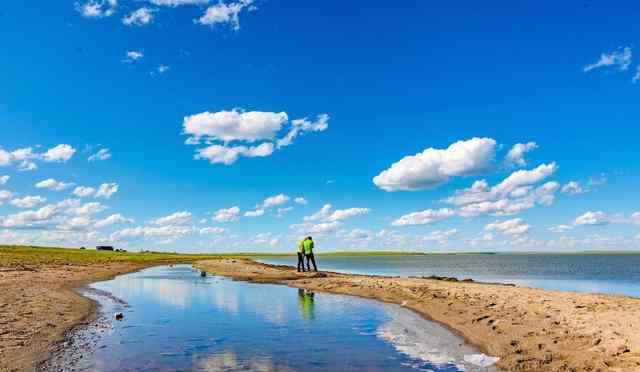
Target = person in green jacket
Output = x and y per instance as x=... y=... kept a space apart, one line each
x=301 y=256
x=308 y=252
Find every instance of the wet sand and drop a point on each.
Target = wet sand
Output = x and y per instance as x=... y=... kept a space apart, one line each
x=38 y=308
x=529 y=329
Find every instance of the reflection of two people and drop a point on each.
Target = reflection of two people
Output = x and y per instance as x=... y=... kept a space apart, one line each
x=305 y=304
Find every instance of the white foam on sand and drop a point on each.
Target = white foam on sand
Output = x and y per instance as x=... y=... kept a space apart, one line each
x=426 y=341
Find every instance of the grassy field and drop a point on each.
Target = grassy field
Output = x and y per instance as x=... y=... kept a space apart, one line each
x=35 y=256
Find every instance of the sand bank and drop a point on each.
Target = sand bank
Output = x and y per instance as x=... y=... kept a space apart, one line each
x=529 y=329
x=38 y=308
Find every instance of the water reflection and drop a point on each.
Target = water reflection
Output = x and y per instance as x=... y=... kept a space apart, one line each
x=306 y=304
x=176 y=320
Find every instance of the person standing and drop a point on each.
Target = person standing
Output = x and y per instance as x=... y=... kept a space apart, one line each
x=301 y=256
x=308 y=252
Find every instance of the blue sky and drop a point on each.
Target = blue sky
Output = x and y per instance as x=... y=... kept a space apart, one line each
x=191 y=103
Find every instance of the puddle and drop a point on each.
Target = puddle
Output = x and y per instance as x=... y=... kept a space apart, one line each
x=175 y=320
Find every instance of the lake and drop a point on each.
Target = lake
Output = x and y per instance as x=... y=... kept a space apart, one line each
x=176 y=320
x=598 y=273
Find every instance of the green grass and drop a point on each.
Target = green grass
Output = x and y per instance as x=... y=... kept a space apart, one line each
x=35 y=256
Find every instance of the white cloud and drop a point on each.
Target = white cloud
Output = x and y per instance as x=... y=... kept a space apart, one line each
x=255 y=213
x=4 y=180
x=106 y=190
x=425 y=217
x=178 y=218
x=27 y=165
x=5 y=158
x=139 y=17
x=636 y=77
x=592 y=218
x=322 y=228
x=5 y=196
x=30 y=218
x=225 y=13
x=326 y=214
x=620 y=58
x=162 y=69
x=133 y=56
x=149 y=232
x=83 y=191
x=217 y=154
x=433 y=167
x=59 y=154
x=28 y=201
x=440 y=236
x=300 y=126
x=52 y=184
x=283 y=211
x=75 y=223
x=524 y=178
x=227 y=215
x=515 y=156
x=274 y=201
x=502 y=207
x=561 y=228
x=573 y=188
x=244 y=129
x=515 y=226
x=102 y=154
x=300 y=200
x=97 y=8
x=635 y=218
x=112 y=220
x=213 y=230
x=175 y=3
x=86 y=209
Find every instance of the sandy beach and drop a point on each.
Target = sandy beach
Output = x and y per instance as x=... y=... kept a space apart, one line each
x=38 y=307
x=529 y=329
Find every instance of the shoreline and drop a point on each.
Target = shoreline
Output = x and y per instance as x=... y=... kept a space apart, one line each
x=529 y=329
x=41 y=308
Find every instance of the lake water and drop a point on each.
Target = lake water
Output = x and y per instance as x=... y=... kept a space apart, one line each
x=175 y=320
x=598 y=273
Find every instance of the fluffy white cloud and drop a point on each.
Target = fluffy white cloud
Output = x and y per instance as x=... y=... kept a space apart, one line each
x=132 y=56
x=112 y=220
x=52 y=184
x=106 y=190
x=5 y=196
x=592 y=218
x=30 y=218
x=75 y=223
x=178 y=218
x=84 y=191
x=235 y=125
x=102 y=154
x=227 y=215
x=59 y=154
x=515 y=226
x=433 y=167
x=255 y=213
x=217 y=154
x=5 y=158
x=322 y=228
x=515 y=156
x=502 y=207
x=636 y=76
x=573 y=188
x=300 y=200
x=620 y=58
x=28 y=201
x=326 y=214
x=139 y=17
x=149 y=232
x=524 y=178
x=635 y=218
x=243 y=128
x=274 y=201
x=175 y=3
x=97 y=8
x=425 y=217
x=225 y=13
x=86 y=209
x=4 y=180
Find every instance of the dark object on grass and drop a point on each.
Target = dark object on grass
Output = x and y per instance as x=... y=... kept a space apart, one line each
x=104 y=248
x=83 y=248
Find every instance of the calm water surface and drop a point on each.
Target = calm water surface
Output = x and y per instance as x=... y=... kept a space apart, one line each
x=174 y=320
x=601 y=273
